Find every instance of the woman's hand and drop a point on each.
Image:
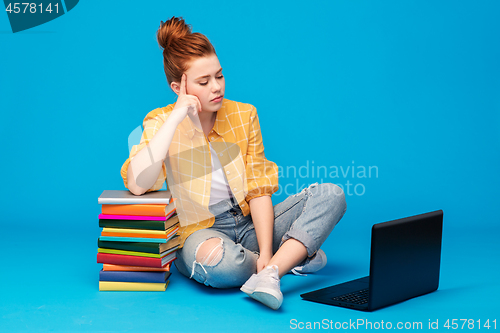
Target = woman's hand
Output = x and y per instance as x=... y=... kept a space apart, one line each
x=186 y=104
x=263 y=260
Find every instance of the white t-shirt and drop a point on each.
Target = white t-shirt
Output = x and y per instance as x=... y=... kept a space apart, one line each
x=219 y=189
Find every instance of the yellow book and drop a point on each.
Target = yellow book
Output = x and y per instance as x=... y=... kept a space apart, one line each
x=131 y=286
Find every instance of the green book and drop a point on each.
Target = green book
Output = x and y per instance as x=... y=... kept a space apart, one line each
x=155 y=248
x=139 y=224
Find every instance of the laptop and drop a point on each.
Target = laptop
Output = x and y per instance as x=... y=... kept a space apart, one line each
x=404 y=263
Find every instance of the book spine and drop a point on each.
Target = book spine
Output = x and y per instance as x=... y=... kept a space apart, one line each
x=138 y=235
x=124 y=197
x=152 y=277
x=132 y=239
x=131 y=246
x=125 y=268
x=132 y=201
x=118 y=259
x=132 y=217
x=132 y=224
x=161 y=237
x=129 y=253
x=140 y=210
x=135 y=231
x=131 y=286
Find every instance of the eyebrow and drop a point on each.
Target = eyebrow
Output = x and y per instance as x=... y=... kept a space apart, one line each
x=204 y=76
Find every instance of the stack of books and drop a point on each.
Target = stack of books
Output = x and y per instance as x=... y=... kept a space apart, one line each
x=138 y=241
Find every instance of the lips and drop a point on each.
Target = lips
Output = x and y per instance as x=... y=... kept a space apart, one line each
x=217 y=99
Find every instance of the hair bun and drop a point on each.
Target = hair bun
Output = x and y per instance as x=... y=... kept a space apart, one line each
x=172 y=30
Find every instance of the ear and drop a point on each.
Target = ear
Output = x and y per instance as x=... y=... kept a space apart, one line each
x=176 y=87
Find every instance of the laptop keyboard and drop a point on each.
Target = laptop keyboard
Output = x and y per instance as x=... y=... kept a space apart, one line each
x=357 y=297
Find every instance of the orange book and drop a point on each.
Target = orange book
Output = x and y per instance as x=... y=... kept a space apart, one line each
x=124 y=268
x=139 y=210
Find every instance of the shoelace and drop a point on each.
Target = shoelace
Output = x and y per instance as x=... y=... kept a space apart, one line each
x=294 y=271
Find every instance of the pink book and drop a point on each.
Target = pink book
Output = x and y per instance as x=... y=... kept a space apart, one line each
x=134 y=217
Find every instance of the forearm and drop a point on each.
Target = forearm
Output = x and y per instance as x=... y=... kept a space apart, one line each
x=261 y=209
x=146 y=165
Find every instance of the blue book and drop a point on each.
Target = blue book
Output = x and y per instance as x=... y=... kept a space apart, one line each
x=129 y=276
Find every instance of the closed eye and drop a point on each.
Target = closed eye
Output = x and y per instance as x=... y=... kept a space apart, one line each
x=205 y=83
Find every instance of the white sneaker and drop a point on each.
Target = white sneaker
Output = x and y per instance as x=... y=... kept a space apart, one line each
x=265 y=287
x=317 y=263
x=249 y=286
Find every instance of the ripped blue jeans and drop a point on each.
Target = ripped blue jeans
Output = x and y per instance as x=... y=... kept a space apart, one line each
x=308 y=216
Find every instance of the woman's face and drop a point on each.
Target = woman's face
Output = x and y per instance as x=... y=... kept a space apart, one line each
x=205 y=81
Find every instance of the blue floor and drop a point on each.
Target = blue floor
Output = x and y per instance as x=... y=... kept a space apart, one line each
x=408 y=87
x=50 y=282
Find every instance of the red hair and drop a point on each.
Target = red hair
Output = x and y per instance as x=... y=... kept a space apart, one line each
x=180 y=47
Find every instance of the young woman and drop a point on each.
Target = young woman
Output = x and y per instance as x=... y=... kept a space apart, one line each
x=210 y=151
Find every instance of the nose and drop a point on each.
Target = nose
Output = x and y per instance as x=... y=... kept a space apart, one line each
x=215 y=86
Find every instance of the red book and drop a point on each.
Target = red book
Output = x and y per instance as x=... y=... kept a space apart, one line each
x=120 y=259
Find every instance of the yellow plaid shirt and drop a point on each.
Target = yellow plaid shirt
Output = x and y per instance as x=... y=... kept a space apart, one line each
x=236 y=138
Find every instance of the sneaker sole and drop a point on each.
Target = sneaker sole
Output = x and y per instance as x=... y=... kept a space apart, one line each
x=268 y=297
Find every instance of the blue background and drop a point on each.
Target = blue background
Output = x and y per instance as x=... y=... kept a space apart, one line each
x=411 y=87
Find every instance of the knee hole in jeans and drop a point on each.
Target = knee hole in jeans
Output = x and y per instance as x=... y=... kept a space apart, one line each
x=209 y=253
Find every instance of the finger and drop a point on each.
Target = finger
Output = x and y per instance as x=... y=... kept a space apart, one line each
x=193 y=108
x=183 y=85
x=199 y=104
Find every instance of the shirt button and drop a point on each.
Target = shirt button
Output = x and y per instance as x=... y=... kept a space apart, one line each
x=228 y=172
x=234 y=189
x=242 y=205
x=220 y=154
